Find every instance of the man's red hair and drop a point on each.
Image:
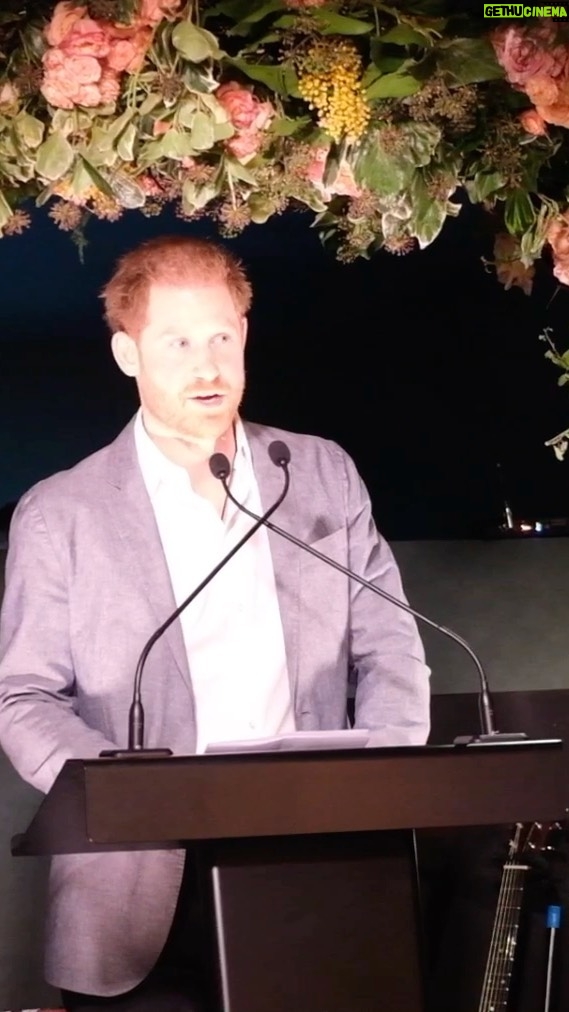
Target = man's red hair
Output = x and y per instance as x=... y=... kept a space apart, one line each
x=170 y=260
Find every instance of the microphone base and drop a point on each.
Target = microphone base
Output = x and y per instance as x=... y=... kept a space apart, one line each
x=495 y=738
x=136 y=753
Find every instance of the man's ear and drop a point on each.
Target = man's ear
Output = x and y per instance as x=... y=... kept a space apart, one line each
x=244 y=329
x=125 y=351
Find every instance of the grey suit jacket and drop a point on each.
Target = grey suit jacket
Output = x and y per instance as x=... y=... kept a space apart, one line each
x=86 y=585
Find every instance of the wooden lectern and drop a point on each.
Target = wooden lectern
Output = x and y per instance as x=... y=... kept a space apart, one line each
x=307 y=859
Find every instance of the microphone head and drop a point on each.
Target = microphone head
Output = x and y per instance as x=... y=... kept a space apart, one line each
x=279 y=453
x=219 y=466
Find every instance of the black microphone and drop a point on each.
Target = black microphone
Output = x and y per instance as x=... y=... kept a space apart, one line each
x=280 y=456
x=136 y=712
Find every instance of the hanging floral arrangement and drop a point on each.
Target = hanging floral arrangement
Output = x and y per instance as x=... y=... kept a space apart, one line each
x=381 y=119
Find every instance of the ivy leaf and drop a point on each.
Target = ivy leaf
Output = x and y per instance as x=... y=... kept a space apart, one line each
x=405 y=35
x=483 y=186
x=116 y=128
x=284 y=126
x=222 y=131
x=127 y=141
x=55 y=157
x=202 y=132
x=238 y=171
x=469 y=61
x=519 y=212
x=96 y=177
x=253 y=13
x=177 y=145
x=273 y=77
x=331 y=23
x=29 y=129
x=428 y=215
x=393 y=85
x=5 y=211
x=262 y=208
x=195 y=44
x=379 y=171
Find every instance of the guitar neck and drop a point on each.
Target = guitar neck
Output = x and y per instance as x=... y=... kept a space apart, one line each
x=500 y=963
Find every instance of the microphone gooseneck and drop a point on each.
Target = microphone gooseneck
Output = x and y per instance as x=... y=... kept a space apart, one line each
x=136 y=712
x=280 y=455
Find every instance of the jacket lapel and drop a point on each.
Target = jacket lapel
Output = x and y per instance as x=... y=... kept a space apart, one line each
x=286 y=558
x=134 y=521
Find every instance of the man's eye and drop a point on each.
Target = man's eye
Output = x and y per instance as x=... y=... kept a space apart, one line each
x=180 y=342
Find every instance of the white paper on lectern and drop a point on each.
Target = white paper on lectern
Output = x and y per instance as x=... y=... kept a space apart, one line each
x=296 y=741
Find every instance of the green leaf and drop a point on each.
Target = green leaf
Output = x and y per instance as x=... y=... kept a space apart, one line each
x=202 y=132
x=5 y=211
x=125 y=146
x=55 y=157
x=239 y=10
x=422 y=140
x=186 y=113
x=238 y=171
x=380 y=171
x=195 y=44
x=82 y=179
x=262 y=208
x=519 y=212
x=29 y=129
x=469 y=61
x=117 y=126
x=150 y=103
x=101 y=150
x=256 y=12
x=405 y=35
x=394 y=85
x=177 y=145
x=223 y=131
x=284 y=126
x=96 y=177
x=272 y=76
x=484 y=185
x=331 y=23
x=428 y=215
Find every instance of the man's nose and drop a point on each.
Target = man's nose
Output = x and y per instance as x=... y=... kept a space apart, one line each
x=204 y=365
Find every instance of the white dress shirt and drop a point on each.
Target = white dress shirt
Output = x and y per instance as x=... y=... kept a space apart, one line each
x=233 y=630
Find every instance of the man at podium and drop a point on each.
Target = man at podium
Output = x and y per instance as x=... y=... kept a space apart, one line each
x=100 y=556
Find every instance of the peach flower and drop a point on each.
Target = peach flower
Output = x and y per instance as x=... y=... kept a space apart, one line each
x=8 y=94
x=558 y=239
x=245 y=144
x=128 y=47
x=558 y=112
x=244 y=109
x=528 y=52
x=152 y=11
x=532 y=122
x=510 y=270
x=62 y=21
x=344 y=185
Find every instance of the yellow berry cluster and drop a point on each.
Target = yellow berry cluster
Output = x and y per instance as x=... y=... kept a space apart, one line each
x=332 y=87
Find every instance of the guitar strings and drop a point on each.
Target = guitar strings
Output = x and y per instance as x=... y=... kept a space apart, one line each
x=495 y=988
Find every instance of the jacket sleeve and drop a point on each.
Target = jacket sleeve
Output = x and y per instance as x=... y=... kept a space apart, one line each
x=386 y=652
x=39 y=725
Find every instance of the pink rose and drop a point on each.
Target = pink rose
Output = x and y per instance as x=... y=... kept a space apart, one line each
x=62 y=21
x=72 y=80
x=243 y=108
x=128 y=48
x=86 y=38
x=533 y=123
x=558 y=236
x=344 y=185
x=558 y=112
x=245 y=144
x=528 y=52
x=109 y=87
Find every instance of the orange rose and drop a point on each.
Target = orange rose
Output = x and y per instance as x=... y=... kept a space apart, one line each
x=533 y=123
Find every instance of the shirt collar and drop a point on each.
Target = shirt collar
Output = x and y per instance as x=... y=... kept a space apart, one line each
x=157 y=469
